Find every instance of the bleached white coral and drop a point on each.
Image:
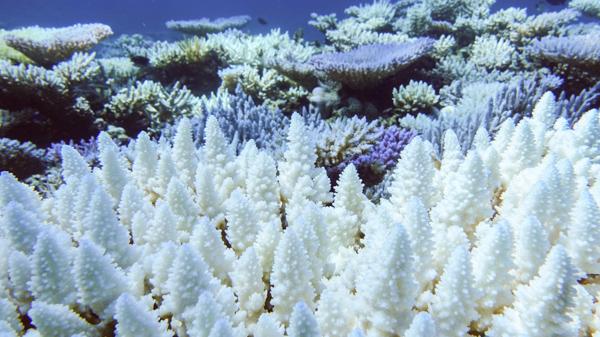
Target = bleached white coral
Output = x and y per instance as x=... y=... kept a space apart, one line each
x=492 y=52
x=386 y=287
x=303 y=322
x=452 y=246
x=299 y=177
x=590 y=7
x=541 y=307
x=414 y=174
x=135 y=320
x=452 y=307
x=291 y=276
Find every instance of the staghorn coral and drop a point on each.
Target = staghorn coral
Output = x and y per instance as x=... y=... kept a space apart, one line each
x=241 y=120
x=205 y=26
x=178 y=286
x=323 y=22
x=55 y=102
x=164 y=54
x=120 y=69
x=368 y=65
x=485 y=105
x=349 y=36
x=544 y=24
x=48 y=46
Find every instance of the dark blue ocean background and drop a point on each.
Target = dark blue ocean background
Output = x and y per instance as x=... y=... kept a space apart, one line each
x=149 y=16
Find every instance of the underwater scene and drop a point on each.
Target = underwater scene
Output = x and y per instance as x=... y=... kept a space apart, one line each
x=412 y=168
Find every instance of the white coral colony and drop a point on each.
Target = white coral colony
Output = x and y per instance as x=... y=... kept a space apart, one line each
x=173 y=241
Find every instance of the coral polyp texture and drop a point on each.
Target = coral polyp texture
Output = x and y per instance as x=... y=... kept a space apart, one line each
x=204 y=26
x=48 y=46
x=179 y=240
x=369 y=64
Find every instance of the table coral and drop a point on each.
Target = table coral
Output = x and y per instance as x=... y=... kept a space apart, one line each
x=204 y=26
x=369 y=64
x=48 y=46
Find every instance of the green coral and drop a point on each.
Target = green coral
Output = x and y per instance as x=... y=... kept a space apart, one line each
x=416 y=96
x=9 y=53
x=49 y=46
x=164 y=54
x=234 y=47
x=444 y=46
x=344 y=138
x=266 y=86
x=119 y=69
x=153 y=103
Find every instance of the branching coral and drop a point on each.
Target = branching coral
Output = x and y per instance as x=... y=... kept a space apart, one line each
x=482 y=105
x=366 y=24
x=368 y=65
x=155 y=104
x=373 y=165
x=169 y=260
x=235 y=47
x=48 y=46
x=241 y=121
x=344 y=138
x=266 y=86
x=491 y=52
x=414 y=97
x=204 y=26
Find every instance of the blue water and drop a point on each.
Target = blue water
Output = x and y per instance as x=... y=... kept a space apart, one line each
x=149 y=16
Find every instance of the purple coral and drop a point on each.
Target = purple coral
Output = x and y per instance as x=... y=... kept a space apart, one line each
x=367 y=65
x=382 y=157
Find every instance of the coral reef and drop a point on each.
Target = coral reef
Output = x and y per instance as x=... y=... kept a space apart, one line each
x=428 y=168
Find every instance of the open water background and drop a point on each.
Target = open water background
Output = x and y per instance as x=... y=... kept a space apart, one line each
x=149 y=16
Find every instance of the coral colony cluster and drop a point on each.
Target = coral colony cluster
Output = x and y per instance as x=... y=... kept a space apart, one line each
x=431 y=169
